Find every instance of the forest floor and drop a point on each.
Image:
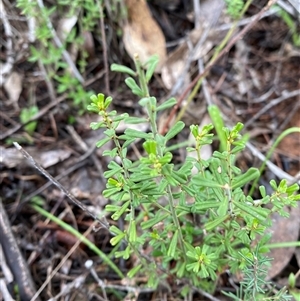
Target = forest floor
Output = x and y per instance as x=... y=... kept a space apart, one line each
x=256 y=82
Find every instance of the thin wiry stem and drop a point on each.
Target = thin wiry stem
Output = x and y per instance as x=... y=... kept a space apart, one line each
x=103 y=222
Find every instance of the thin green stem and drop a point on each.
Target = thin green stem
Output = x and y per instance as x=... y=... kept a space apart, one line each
x=287 y=244
x=176 y=222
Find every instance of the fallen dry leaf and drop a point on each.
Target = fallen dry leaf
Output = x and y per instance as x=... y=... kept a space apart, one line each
x=13 y=87
x=65 y=26
x=141 y=33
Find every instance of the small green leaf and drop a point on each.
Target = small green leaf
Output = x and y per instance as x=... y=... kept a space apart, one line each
x=260 y=213
x=203 y=206
x=179 y=177
x=217 y=120
x=134 y=270
x=135 y=120
x=137 y=134
x=25 y=115
x=292 y=280
x=174 y=130
x=199 y=180
x=150 y=147
x=188 y=190
x=97 y=125
x=293 y=188
x=128 y=142
x=103 y=141
x=194 y=130
x=167 y=104
x=295 y=292
x=122 y=69
x=109 y=192
x=118 y=214
x=262 y=190
x=114 y=169
x=145 y=101
x=151 y=65
x=125 y=254
x=173 y=245
x=237 y=149
x=110 y=153
x=223 y=209
x=112 y=208
x=217 y=170
x=216 y=222
x=219 y=193
x=171 y=180
x=182 y=210
x=153 y=221
x=130 y=82
x=132 y=231
x=180 y=273
x=116 y=239
x=251 y=174
x=93 y=108
x=273 y=184
x=167 y=157
x=107 y=102
x=115 y=230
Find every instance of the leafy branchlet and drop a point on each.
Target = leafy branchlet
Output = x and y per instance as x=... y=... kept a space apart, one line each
x=159 y=201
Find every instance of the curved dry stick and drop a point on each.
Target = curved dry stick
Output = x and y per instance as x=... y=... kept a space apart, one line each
x=211 y=64
x=79 y=163
x=272 y=167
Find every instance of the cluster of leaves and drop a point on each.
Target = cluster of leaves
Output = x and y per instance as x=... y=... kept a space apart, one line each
x=161 y=202
x=50 y=54
x=234 y=8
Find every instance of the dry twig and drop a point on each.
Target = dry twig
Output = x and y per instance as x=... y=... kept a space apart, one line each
x=103 y=222
x=275 y=169
x=271 y=104
x=211 y=64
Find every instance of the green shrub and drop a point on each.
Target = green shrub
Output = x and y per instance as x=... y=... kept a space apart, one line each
x=159 y=201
